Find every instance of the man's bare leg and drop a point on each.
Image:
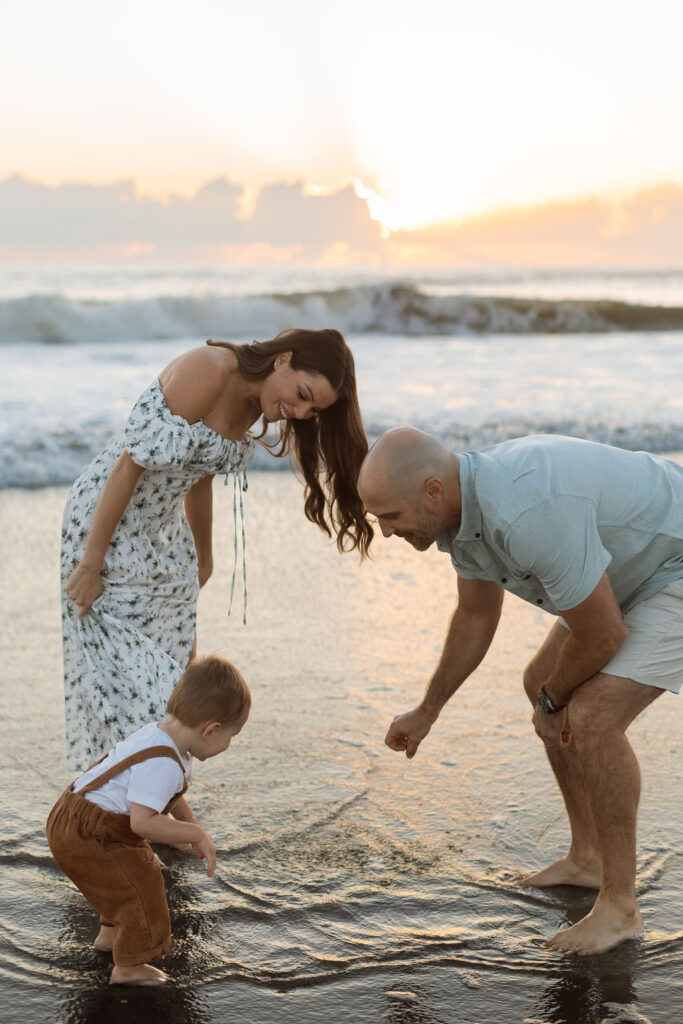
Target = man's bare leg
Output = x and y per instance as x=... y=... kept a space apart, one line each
x=601 y=711
x=582 y=865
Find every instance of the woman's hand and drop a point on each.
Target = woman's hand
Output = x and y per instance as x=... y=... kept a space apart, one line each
x=84 y=586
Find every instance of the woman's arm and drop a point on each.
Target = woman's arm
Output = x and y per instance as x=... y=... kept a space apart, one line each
x=85 y=585
x=199 y=512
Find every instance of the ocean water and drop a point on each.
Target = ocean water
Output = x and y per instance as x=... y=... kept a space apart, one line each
x=474 y=358
x=353 y=885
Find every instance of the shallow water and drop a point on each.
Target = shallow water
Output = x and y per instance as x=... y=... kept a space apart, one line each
x=352 y=885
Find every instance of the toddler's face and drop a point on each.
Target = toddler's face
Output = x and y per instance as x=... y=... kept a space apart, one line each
x=220 y=738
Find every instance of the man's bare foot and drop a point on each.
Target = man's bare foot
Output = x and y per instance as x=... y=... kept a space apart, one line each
x=606 y=926
x=566 y=871
x=140 y=974
x=105 y=938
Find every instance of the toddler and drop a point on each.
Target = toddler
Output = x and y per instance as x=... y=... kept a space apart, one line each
x=100 y=828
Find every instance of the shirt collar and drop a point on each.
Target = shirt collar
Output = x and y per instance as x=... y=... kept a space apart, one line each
x=470 y=516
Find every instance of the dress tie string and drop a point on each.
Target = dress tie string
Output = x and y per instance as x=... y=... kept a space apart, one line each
x=239 y=475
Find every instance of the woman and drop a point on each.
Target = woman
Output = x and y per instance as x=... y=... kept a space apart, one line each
x=132 y=562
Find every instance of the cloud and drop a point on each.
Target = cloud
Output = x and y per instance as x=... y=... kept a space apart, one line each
x=286 y=223
x=641 y=230
x=82 y=217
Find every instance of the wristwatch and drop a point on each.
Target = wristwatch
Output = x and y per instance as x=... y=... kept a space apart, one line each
x=546 y=705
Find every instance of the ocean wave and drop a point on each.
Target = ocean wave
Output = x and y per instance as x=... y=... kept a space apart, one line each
x=39 y=457
x=387 y=308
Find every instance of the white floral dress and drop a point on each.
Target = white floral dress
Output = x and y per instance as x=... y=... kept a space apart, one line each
x=123 y=658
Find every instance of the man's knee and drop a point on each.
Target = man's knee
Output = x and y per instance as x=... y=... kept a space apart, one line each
x=593 y=712
x=532 y=681
x=584 y=720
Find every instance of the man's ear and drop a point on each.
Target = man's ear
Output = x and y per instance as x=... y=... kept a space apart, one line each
x=434 y=488
x=209 y=729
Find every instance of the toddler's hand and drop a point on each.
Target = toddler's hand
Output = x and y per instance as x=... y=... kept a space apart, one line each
x=206 y=850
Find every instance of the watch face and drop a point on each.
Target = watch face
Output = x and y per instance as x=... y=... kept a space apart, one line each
x=545 y=704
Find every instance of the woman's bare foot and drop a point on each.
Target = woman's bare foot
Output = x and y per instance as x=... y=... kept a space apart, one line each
x=105 y=938
x=139 y=974
x=606 y=926
x=567 y=871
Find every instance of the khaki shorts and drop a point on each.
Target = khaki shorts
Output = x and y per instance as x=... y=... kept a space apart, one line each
x=652 y=653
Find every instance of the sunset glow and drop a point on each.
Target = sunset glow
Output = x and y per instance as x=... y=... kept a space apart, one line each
x=440 y=117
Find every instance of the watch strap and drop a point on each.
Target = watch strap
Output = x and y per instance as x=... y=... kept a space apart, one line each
x=546 y=704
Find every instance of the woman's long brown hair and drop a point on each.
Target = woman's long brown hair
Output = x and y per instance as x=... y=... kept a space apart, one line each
x=334 y=437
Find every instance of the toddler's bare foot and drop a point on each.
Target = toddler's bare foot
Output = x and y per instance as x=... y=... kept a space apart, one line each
x=567 y=871
x=105 y=938
x=139 y=974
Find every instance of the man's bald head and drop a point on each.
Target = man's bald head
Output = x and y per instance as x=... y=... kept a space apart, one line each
x=399 y=463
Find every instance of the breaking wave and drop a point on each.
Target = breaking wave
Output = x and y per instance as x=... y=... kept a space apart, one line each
x=365 y=309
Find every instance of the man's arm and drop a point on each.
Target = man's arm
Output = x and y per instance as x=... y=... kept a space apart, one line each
x=596 y=631
x=469 y=637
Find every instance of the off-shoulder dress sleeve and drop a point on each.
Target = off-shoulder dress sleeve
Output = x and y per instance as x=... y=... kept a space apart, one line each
x=154 y=437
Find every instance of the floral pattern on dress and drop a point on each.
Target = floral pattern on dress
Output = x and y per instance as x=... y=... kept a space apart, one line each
x=124 y=657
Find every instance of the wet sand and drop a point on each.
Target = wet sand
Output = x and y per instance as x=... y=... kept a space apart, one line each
x=352 y=885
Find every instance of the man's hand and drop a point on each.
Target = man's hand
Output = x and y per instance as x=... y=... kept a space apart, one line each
x=552 y=728
x=407 y=731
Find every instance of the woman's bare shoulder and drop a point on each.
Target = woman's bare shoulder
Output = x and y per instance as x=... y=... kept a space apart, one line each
x=194 y=382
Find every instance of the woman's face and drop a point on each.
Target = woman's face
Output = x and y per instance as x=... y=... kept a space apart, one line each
x=289 y=394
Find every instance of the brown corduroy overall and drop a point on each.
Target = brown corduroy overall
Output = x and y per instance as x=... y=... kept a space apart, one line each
x=114 y=868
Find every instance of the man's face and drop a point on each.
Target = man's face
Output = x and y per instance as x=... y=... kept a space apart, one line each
x=411 y=521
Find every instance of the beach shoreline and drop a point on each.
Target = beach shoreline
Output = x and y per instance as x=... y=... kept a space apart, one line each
x=352 y=884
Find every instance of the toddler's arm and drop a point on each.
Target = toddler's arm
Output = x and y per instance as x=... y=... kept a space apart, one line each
x=182 y=811
x=159 y=828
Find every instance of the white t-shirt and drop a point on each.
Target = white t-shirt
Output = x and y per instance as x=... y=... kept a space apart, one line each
x=151 y=783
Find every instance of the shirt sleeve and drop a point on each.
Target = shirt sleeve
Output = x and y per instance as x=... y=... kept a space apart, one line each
x=154 y=782
x=558 y=543
x=154 y=437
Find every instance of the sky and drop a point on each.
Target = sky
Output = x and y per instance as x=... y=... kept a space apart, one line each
x=432 y=113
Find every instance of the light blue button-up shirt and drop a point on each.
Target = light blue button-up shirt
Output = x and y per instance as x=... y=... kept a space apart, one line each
x=545 y=516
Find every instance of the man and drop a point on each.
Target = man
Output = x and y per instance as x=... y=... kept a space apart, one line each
x=584 y=531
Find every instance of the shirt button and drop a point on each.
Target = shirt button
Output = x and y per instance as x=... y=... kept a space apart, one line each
x=539 y=600
x=504 y=579
x=477 y=535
